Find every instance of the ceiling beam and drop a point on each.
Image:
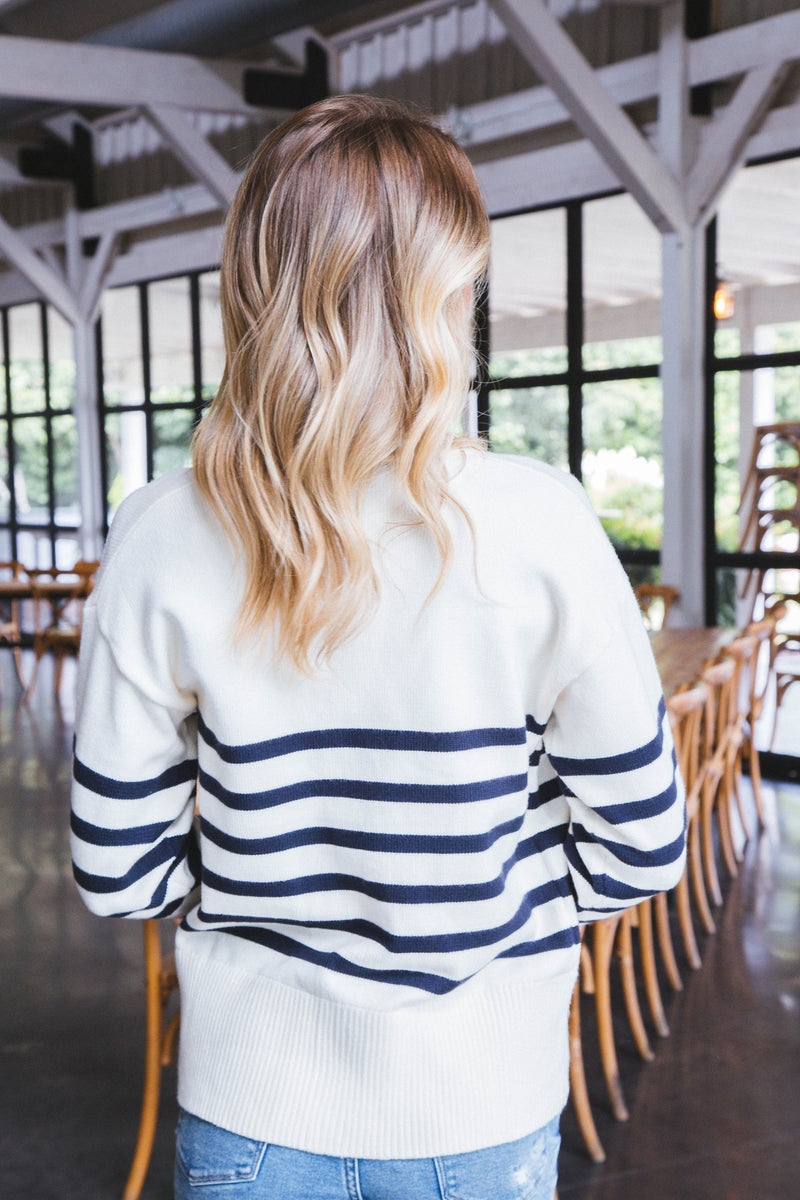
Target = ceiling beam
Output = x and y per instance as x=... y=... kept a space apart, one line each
x=195 y=151
x=554 y=56
x=723 y=143
x=43 y=277
x=78 y=73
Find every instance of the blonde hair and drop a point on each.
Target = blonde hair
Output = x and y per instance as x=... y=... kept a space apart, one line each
x=350 y=250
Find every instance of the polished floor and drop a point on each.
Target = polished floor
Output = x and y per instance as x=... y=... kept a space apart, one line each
x=716 y=1115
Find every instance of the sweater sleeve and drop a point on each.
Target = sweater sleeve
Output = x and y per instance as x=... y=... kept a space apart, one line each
x=134 y=844
x=609 y=740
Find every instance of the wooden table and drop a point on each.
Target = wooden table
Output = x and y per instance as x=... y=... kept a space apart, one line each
x=681 y=654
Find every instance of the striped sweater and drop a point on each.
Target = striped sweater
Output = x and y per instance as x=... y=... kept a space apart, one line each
x=381 y=871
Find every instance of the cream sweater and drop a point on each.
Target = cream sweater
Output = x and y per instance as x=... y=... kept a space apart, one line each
x=382 y=894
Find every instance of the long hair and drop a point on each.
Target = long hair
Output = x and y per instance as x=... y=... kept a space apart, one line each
x=354 y=243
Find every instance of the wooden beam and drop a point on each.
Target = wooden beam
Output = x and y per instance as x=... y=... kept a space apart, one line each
x=42 y=276
x=724 y=141
x=195 y=151
x=78 y=73
x=556 y=59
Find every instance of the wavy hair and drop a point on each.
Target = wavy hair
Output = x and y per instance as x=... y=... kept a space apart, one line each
x=354 y=243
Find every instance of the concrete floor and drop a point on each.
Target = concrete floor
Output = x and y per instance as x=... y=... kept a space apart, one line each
x=716 y=1116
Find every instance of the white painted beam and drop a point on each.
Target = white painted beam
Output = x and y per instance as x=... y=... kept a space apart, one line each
x=557 y=60
x=42 y=276
x=195 y=151
x=78 y=73
x=724 y=141
x=96 y=274
x=734 y=51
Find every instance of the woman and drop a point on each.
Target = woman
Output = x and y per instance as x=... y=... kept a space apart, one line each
x=407 y=687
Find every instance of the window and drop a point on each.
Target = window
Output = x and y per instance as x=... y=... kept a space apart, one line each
x=160 y=349
x=38 y=451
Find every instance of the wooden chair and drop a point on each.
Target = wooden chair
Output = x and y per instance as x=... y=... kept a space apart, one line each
x=760 y=677
x=612 y=938
x=745 y=652
x=61 y=636
x=579 y=1092
x=10 y=630
x=653 y=597
x=785 y=660
x=721 y=679
x=161 y=981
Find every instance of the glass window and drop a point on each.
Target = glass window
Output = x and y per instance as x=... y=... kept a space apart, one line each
x=126 y=455
x=61 y=361
x=528 y=294
x=530 y=421
x=123 y=377
x=170 y=332
x=622 y=460
x=27 y=361
x=172 y=433
x=621 y=285
x=65 y=470
x=211 y=344
x=31 y=486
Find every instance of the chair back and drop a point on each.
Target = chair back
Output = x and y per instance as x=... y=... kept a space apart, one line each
x=655 y=600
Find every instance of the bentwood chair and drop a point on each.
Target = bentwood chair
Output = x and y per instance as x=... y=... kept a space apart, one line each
x=579 y=1093
x=612 y=938
x=61 y=635
x=745 y=653
x=161 y=982
x=654 y=598
x=10 y=630
x=721 y=679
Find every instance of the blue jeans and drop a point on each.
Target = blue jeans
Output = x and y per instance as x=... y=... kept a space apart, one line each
x=213 y=1164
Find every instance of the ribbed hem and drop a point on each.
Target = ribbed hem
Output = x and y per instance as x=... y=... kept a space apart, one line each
x=448 y=1076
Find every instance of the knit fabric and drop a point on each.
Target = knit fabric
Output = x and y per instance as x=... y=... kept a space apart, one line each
x=382 y=892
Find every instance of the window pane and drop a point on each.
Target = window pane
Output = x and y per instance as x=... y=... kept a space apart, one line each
x=123 y=381
x=126 y=455
x=27 y=367
x=65 y=469
x=172 y=433
x=61 y=356
x=212 y=348
x=528 y=294
x=530 y=421
x=621 y=284
x=30 y=472
x=5 y=482
x=170 y=325
x=622 y=461
x=727 y=387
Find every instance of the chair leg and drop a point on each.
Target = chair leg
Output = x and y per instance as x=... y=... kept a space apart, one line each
x=604 y=932
x=755 y=779
x=152 y=1070
x=724 y=821
x=685 y=922
x=709 y=861
x=577 y=1082
x=630 y=994
x=665 y=942
x=696 y=874
x=649 y=971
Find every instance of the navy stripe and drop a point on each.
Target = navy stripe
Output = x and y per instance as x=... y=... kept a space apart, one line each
x=366 y=789
x=615 y=764
x=560 y=940
x=534 y=726
x=441 y=943
x=357 y=839
x=630 y=855
x=389 y=893
x=131 y=835
x=549 y=790
x=425 y=981
x=169 y=850
x=363 y=739
x=604 y=885
x=117 y=789
x=640 y=810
